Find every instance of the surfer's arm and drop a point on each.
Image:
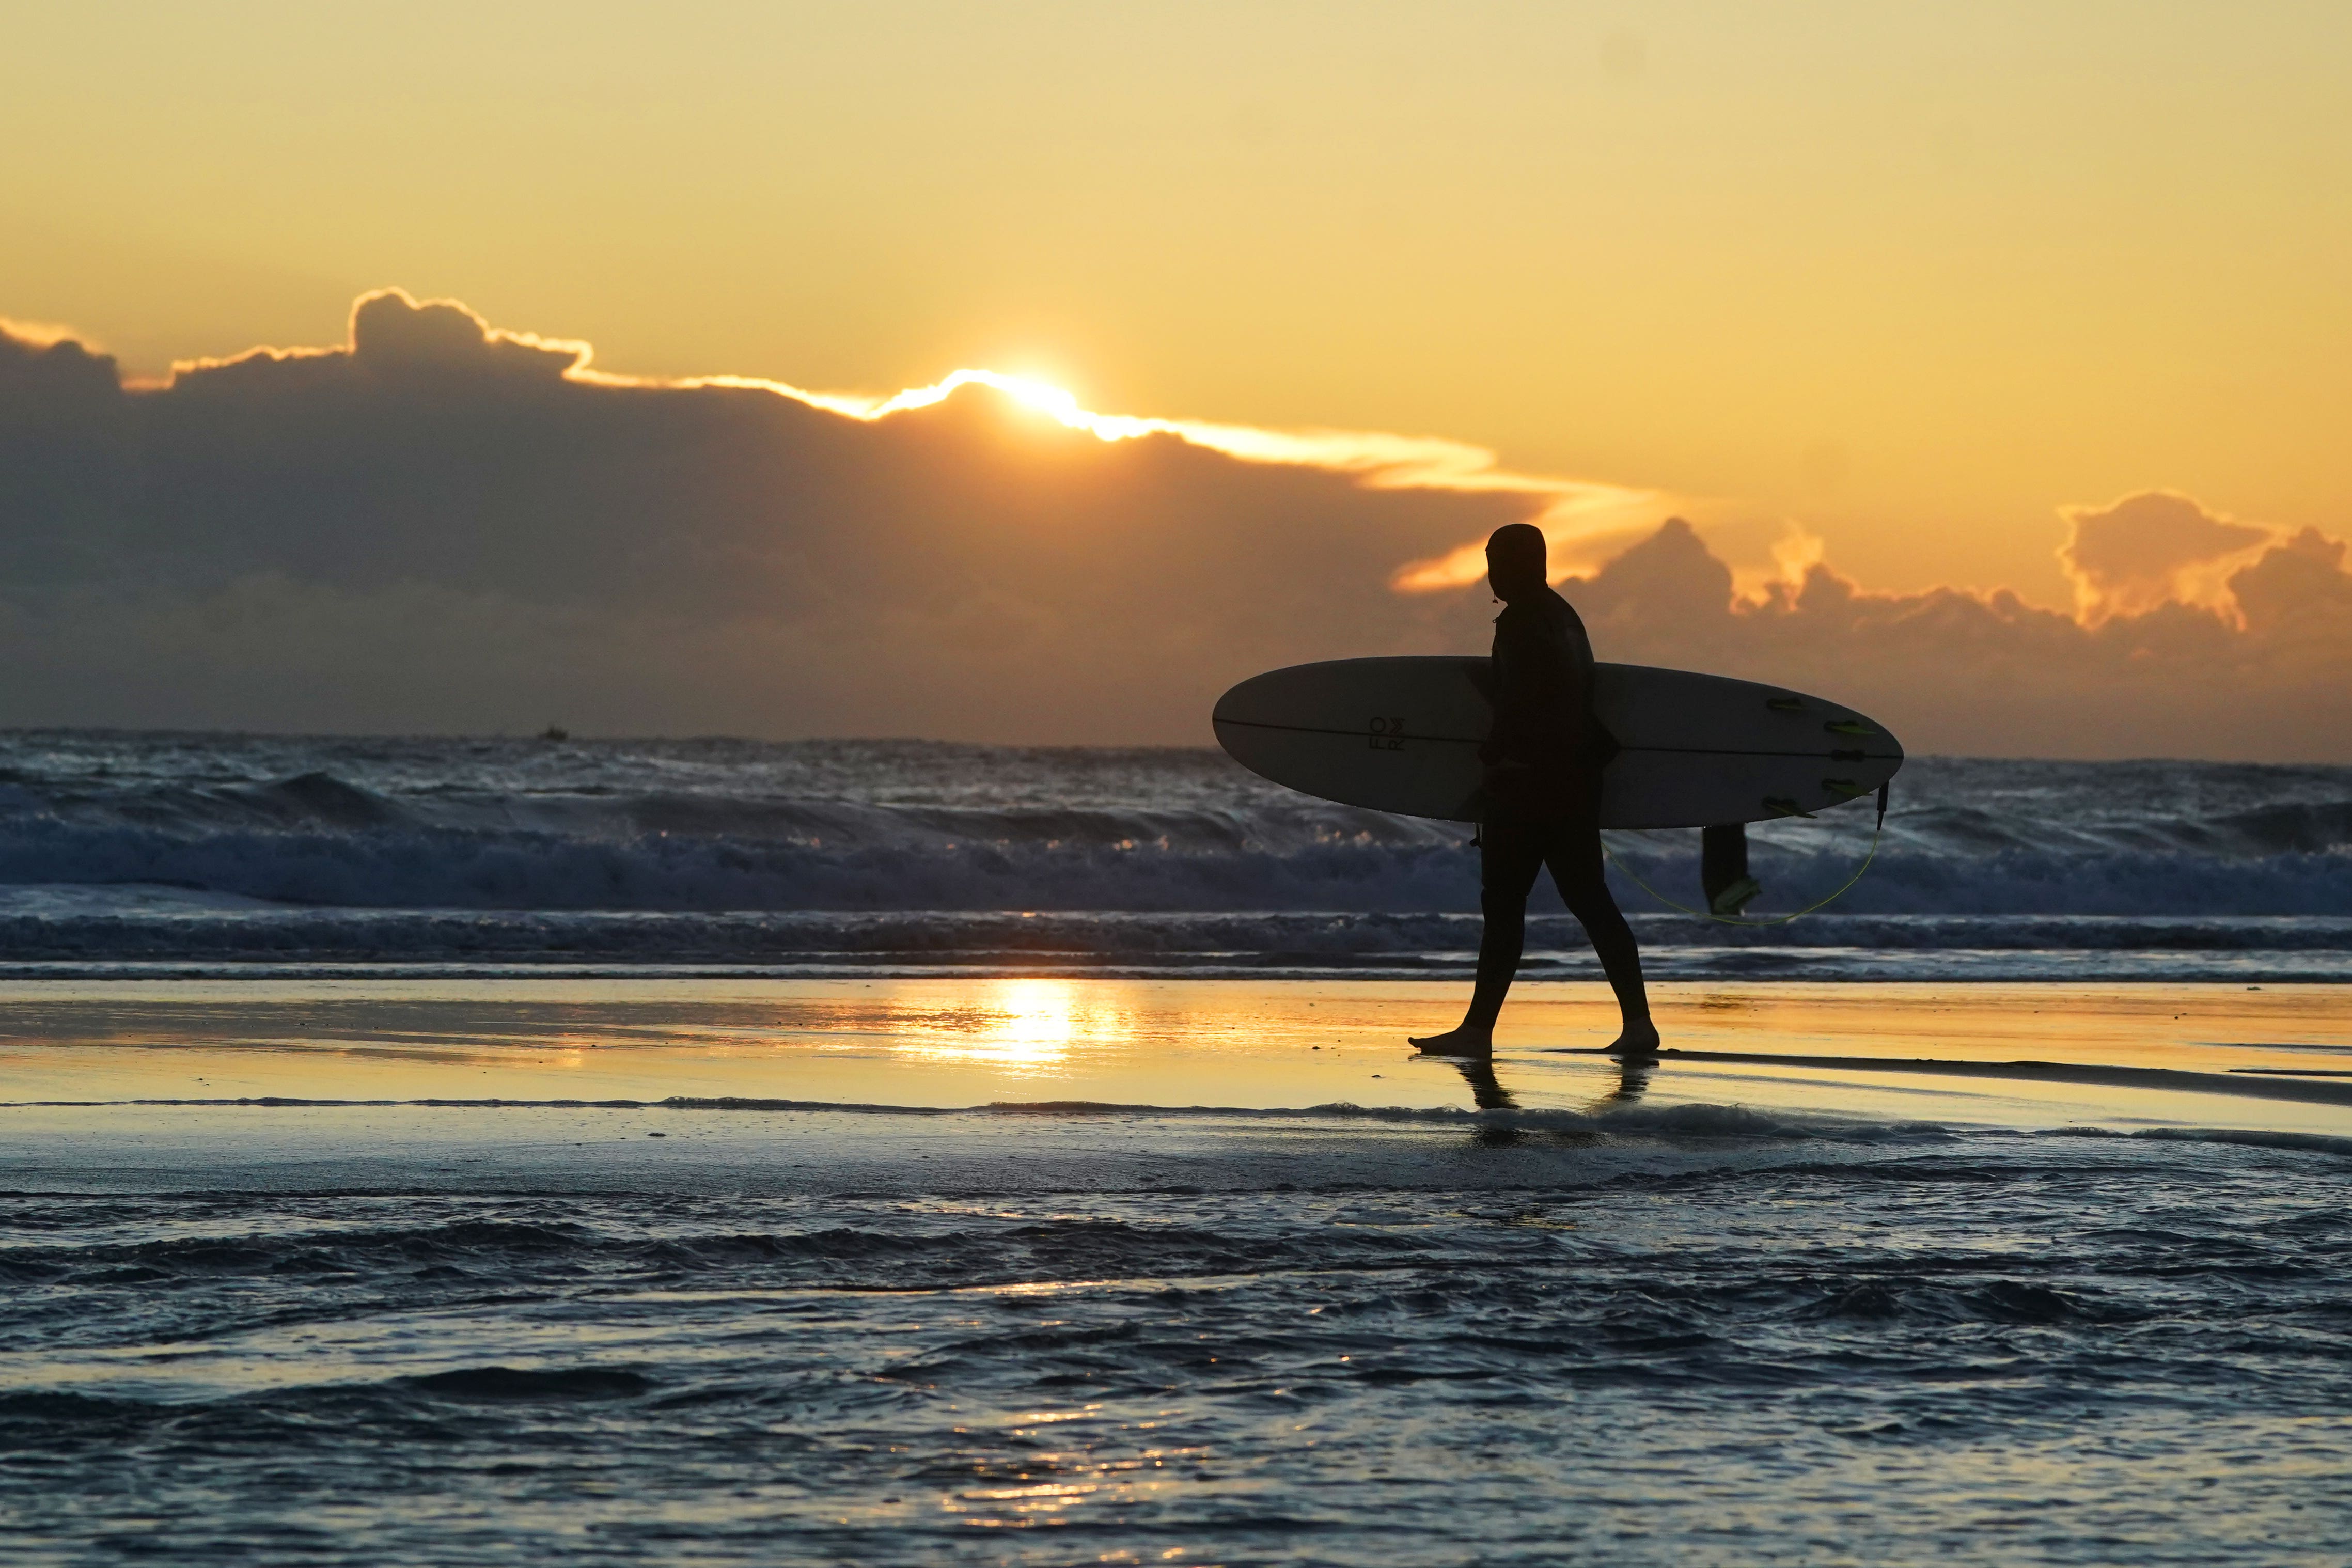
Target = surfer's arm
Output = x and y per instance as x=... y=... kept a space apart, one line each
x=1542 y=692
x=1520 y=691
x=1576 y=699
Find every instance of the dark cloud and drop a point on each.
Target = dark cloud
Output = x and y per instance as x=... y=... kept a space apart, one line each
x=441 y=526
x=2298 y=595
x=450 y=527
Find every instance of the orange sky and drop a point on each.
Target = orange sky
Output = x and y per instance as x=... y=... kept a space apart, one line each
x=1910 y=279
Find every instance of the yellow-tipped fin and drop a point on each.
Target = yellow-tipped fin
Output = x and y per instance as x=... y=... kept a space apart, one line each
x=1733 y=898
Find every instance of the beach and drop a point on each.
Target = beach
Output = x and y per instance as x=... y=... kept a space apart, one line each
x=1025 y=1269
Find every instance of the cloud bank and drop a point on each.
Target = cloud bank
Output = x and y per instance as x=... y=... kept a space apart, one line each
x=444 y=526
x=1958 y=671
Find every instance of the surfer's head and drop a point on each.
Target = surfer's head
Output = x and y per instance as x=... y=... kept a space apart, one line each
x=1515 y=560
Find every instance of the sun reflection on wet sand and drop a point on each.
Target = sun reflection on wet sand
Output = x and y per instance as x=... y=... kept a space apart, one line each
x=2272 y=1058
x=1016 y=1023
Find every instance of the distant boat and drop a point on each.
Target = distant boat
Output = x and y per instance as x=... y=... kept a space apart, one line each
x=555 y=733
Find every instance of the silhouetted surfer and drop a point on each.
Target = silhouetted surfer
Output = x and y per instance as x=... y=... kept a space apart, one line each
x=1543 y=757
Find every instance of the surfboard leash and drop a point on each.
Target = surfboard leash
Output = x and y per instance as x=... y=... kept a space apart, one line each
x=1876 y=833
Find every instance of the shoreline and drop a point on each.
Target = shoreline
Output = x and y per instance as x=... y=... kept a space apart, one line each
x=37 y=972
x=2022 y=1055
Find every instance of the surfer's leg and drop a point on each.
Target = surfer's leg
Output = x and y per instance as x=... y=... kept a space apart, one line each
x=1509 y=858
x=1573 y=853
x=1510 y=855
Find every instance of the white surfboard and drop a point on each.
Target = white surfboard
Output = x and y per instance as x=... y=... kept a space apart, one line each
x=1698 y=751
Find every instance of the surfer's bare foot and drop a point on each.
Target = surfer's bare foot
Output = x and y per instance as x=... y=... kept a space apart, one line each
x=1638 y=1040
x=1465 y=1041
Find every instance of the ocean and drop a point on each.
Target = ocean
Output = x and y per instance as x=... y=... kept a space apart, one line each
x=441 y=1151
x=206 y=852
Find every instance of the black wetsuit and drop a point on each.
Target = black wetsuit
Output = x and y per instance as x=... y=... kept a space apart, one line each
x=1545 y=750
x=1544 y=757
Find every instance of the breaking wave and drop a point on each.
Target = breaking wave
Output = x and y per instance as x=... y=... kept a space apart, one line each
x=150 y=846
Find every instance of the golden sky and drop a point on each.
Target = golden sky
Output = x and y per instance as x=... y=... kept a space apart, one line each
x=1911 y=277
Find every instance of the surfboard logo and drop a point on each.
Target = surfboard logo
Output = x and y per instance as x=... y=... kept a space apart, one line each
x=1388 y=734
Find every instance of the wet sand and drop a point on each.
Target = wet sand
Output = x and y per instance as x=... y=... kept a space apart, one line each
x=1043 y=1270
x=74 y=1054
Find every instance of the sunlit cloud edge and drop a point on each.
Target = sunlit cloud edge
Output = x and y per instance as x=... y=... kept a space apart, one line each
x=1586 y=521
x=1575 y=514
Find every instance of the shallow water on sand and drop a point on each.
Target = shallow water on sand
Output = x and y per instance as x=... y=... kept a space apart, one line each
x=1738 y=1312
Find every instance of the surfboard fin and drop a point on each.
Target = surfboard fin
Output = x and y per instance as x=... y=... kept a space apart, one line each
x=1846 y=787
x=1723 y=869
x=1735 y=898
x=1848 y=727
x=1779 y=807
x=1785 y=704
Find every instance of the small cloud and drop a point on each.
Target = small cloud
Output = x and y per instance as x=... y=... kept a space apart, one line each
x=2298 y=587
x=390 y=330
x=2151 y=548
x=1794 y=555
x=391 y=333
